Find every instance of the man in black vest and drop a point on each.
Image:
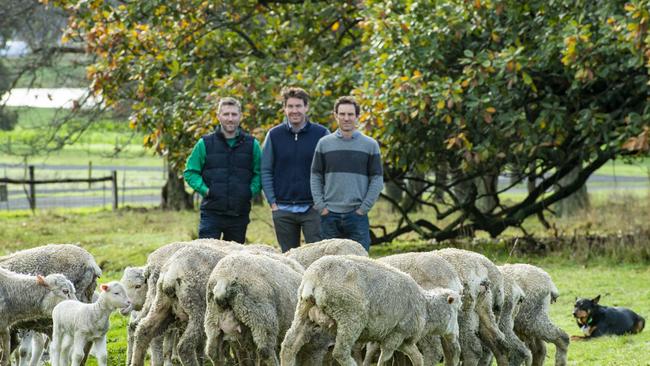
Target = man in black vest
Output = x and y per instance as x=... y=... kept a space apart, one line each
x=286 y=163
x=224 y=168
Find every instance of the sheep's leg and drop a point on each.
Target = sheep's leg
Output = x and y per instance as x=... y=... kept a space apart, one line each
x=489 y=332
x=156 y=349
x=371 y=350
x=214 y=347
x=154 y=324
x=297 y=335
x=410 y=350
x=38 y=345
x=471 y=348
x=550 y=333
x=348 y=332
x=78 y=346
x=451 y=350
x=24 y=349
x=169 y=346
x=5 y=346
x=99 y=350
x=130 y=335
x=538 y=349
x=192 y=338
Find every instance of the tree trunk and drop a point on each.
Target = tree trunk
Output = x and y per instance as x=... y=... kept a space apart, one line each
x=577 y=201
x=487 y=191
x=174 y=196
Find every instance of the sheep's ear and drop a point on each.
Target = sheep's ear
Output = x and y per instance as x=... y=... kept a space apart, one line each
x=596 y=299
x=103 y=287
x=450 y=299
x=40 y=280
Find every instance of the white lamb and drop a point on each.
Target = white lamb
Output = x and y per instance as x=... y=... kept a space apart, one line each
x=77 y=323
x=25 y=298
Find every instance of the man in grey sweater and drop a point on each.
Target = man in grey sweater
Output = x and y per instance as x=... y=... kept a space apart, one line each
x=346 y=177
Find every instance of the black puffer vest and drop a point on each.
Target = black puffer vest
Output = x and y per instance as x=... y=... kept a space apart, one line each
x=228 y=172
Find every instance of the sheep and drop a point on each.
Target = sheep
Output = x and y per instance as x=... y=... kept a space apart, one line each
x=483 y=300
x=532 y=323
x=70 y=260
x=161 y=346
x=513 y=298
x=307 y=254
x=360 y=299
x=26 y=298
x=77 y=323
x=180 y=295
x=429 y=270
x=135 y=284
x=250 y=299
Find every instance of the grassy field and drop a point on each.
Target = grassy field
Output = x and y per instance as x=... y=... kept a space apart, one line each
x=129 y=235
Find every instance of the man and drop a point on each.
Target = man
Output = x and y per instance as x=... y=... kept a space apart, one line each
x=224 y=167
x=286 y=163
x=346 y=177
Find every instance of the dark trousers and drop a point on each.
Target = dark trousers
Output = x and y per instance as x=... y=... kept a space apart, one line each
x=289 y=224
x=232 y=228
x=349 y=225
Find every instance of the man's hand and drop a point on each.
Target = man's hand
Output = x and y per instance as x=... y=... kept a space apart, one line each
x=359 y=212
x=324 y=212
x=274 y=206
x=207 y=193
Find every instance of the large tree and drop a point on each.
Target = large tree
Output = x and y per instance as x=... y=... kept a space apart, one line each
x=543 y=89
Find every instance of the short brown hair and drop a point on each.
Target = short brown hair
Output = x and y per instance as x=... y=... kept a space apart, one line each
x=294 y=92
x=228 y=101
x=347 y=100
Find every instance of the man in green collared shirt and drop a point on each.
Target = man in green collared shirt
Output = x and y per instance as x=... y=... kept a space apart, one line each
x=224 y=168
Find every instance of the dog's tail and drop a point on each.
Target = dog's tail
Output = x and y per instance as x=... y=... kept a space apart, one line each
x=638 y=327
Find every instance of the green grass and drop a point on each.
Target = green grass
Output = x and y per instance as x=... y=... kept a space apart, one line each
x=126 y=237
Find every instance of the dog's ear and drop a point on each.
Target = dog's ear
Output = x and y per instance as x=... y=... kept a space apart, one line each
x=596 y=299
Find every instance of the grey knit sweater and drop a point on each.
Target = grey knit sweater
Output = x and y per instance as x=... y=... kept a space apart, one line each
x=346 y=174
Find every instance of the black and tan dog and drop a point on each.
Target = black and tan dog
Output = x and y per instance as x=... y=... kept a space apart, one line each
x=596 y=320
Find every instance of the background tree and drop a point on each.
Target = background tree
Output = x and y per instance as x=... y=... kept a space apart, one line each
x=540 y=88
x=172 y=60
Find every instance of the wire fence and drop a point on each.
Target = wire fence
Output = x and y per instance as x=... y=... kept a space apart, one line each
x=46 y=186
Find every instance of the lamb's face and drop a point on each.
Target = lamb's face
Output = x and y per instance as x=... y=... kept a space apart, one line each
x=60 y=289
x=135 y=284
x=116 y=296
x=443 y=307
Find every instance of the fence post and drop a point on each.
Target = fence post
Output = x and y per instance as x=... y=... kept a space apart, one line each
x=114 y=179
x=32 y=189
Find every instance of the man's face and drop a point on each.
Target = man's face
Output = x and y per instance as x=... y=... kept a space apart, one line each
x=229 y=117
x=295 y=110
x=346 y=117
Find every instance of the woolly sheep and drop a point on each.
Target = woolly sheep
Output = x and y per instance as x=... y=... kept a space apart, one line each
x=513 y=298
x=483 y=300
x=309 y=253
x=77 y=323
x=533 y=324
x=161 y=345
x=362 y=300
x=430 y=271
x=251 y=294
x=70 y=260
x=25 y=298
x=180 y=295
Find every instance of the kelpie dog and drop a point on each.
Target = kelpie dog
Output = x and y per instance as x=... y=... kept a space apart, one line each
x=596 y=320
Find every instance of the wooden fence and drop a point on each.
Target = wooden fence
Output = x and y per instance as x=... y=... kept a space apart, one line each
x=31 y=182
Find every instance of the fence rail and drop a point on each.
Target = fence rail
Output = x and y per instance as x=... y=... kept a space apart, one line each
x=19 y=188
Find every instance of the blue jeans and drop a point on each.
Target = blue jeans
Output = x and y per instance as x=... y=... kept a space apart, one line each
x=213 y=225
x=349 y=225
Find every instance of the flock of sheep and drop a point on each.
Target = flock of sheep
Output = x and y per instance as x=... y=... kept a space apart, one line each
x=325 y=303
